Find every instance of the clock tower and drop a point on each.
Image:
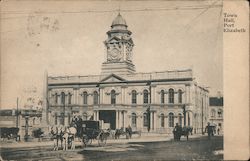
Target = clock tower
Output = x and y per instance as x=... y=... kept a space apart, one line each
x=119 y=46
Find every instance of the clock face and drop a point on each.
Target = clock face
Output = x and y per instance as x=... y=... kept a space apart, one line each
x=114 y=55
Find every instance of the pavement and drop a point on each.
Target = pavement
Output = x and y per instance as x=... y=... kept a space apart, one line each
x=122 y=140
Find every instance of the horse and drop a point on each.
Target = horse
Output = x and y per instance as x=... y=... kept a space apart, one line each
x=57 y=134
x=119 y=132
x=186 y=130
x=111 y=133
x=69 y=138
x=182 y=131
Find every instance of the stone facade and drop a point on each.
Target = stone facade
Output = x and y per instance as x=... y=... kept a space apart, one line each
x=216 y=112
x=121 y=97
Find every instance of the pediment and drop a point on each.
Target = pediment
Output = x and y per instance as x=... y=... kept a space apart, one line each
x=113 y=39
x=112 y=78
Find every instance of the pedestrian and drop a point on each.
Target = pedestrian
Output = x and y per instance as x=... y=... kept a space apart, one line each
x=54 y=137
x=177 y=132
x=209 y=130
x=218 y=131
x=130 y=131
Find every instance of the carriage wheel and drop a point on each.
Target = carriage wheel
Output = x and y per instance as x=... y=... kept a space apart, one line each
x=102 y=140
x=86 y=140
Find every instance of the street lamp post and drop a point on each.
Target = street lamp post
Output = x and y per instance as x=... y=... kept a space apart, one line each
x=184 y=114
x=148 y=109
x=17 y=117
x=202 y=116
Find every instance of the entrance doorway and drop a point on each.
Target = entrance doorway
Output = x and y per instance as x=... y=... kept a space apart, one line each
x=108 y=116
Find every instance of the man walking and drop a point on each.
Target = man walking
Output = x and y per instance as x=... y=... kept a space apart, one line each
x=177 y=132
x=209 y=130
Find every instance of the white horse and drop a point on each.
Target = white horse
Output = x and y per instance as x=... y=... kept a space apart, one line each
x=69 y=138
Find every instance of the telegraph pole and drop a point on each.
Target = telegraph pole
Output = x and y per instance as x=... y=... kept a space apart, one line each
x=184 y=114
x=202 y=116
x=148 y=109
x=17 y=113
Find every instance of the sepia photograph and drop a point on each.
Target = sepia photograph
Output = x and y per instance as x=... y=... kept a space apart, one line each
x=113 y=80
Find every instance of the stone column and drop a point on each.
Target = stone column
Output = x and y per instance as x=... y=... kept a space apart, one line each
x=97 y=115
x=152 y=94
x=151 y=121
x=77 y=97
x=101 y=95
x=166 y=122
x=155 y=120
x=94 y=115
x=125 y=119
x=122 y=95
x=120 y=119
x=59 y=99
x=65 y=120
x=116 y=120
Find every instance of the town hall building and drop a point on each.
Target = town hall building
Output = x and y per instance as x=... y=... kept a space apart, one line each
x=119 y=96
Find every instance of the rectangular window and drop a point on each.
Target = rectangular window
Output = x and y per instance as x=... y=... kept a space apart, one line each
x=145 y=120
x=69 y=101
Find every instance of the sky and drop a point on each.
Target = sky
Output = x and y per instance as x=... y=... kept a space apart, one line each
x=66 y=38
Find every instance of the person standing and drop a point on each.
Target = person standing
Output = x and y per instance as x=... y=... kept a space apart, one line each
x=218 y=131
x=209 y=130
x=177 y=132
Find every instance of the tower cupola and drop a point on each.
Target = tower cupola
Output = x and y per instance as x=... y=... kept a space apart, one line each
x=119 y=45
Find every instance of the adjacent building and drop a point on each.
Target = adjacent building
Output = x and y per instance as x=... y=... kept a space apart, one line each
x=216 y=112
x=26 y=120
x=119 y=96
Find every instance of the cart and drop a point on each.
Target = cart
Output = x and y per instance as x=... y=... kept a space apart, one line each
x=91 y=130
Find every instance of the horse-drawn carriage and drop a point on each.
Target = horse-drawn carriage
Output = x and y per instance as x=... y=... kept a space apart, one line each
x=86 y=131
x=182 y=131
x=90 y=130
x=9 y=133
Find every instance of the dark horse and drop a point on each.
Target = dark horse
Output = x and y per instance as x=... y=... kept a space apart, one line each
x=57 y=135
x=119 y=132
x=187 y=130
x=182 y=131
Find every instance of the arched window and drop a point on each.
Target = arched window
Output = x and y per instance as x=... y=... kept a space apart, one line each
x=180 y=119
x=61 y=119
x=171 y=119
x=95 y=98
x=179 y=96
x=113 y=97
x=134 y=97
x=85 y=98
x=55 y=118
x=63 y=98
x=162 y=120
x=212 y=113
x=133 y=121
x=145 y=120
x=56 y=98
x=220 y=113
x=171 y=96
x=145 y=96
x=69 y=98
x=162 y=96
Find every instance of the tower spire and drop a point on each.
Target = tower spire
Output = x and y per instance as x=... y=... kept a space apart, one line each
x=119 y=46
x=119 y=10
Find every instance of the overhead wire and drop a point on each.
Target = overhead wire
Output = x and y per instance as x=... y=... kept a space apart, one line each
x=201 y=13
x=121 y=10
x=40 y=13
